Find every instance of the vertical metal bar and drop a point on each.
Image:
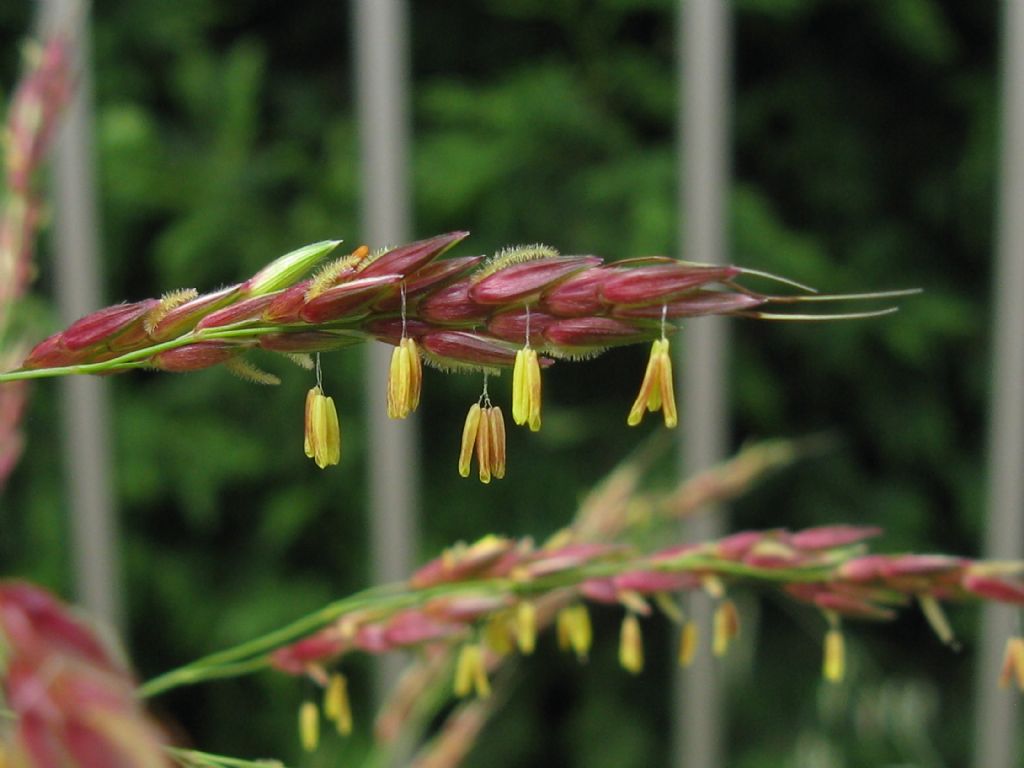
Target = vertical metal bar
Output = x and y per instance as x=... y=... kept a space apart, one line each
x=997 y=720
x=703 y=50
x=382 y=72
x=86 y=412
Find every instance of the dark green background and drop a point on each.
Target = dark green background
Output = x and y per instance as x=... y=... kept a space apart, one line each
x=864 y=157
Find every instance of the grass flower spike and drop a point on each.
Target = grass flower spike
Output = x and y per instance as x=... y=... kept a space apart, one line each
x=656 y=391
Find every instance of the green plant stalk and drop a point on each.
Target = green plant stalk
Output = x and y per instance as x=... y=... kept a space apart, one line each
x=249 y=657
x=138 y=358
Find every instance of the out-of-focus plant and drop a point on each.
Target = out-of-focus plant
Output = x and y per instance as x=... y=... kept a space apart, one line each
x=32 y=119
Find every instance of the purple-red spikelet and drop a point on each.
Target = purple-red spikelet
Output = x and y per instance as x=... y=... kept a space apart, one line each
x=196 y=357
x=407 y=259
x=523 y=283
x=660 y=283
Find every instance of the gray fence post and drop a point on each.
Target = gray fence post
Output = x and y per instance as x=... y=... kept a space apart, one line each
x=382 y=72
x=997 y=720
x=85 y=401
x=703 y=55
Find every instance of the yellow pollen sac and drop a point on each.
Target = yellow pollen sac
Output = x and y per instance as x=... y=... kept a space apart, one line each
x=404 y=379
x=688 y=644
x=526 y=389
x=1013 y=664
x=469 y=432
x=483 y=447
x=656 y=391
x=337 y=706
x=496 y=434
x=526 y=627
x=309 y=726
x=322 y=440
x=484 y=434
x=727 y=627
x=470 y=673
x=833 y=667
x=573 y=629
x=631 y=646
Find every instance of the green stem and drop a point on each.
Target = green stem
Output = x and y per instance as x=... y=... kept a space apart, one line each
x=250 y=656
x=138 y=358
x=196 y=759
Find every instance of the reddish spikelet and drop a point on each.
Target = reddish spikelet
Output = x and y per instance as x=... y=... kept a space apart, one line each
x=239 y=312
x=31 y=120
x=73 y=703
x=467 y=608
x=196 y=357
x=593 y=332
x=660 y=283
x=452 y=304
x=832 y=536
x=994 y=587
x=736 y=545
x=491 y=556
x=391 y=330
x=286 y=306
x=185 y=317
x=578 y=295
x=105 y=324
x=407 y=259
x=650 y=582
x=511 y=326
x=51 y=353
x=429 y=278
x=35 y=623
x=295 y=659
x=851 y=604
x=463 y=348
x=346 y=299
x=548 y=561
x=415 y=627
x=694 y=304
x=600 y=591
x=525 y=282
x=299 y=342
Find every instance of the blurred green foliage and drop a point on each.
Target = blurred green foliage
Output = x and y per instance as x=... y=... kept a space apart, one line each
x=864 y=158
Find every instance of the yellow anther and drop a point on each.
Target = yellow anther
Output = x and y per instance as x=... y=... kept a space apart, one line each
x=526 y=389
x=833 y=667
x=337 y=706
x=404 y=379
x=526 y=627
x=688 y=640
x=1013 y=663
x=727 y=627
x=496 y=433
x=484 y=434
x=657 y=391
x=322 y=440
x=470 y=672
x=469 y=432
x=309 y=726
x=631 y=645
x=483 y=447
x=574 y=630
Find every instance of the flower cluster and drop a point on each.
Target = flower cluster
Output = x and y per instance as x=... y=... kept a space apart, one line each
x=73 y=701
x=486 y=600
x=521 y=309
